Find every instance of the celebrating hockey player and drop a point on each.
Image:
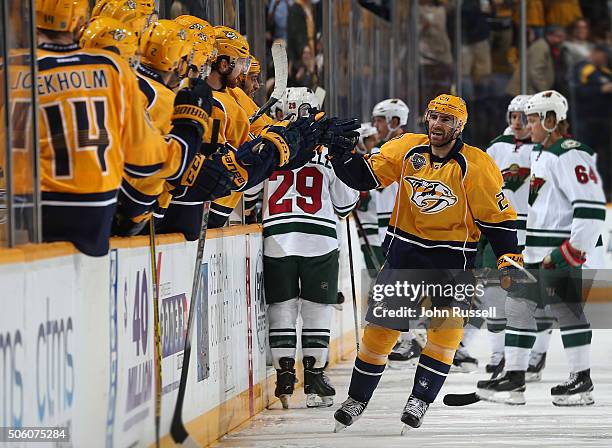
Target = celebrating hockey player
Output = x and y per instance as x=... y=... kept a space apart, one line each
x=82 y=169
x=564 y=221
x=441 y=180
x=301 y=210
x=388 y=117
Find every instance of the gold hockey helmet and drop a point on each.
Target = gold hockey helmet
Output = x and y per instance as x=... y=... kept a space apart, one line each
x=450 y=105
x=130 y=12
x=164 y=44
x=61 y=15
x=234 y=45
x=147 y=6
x=202 y=37
x=104 y=32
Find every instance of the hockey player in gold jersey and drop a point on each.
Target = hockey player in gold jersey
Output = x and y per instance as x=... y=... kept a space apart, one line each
x=93 y=128
x=449 y=192
x=164 y=61
x=251 y=82
x=250 y=160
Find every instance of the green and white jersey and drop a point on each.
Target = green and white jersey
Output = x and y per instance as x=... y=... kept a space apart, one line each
x=369 y=219
x=566 y=199
x=301 y=209
x=512 y=156
x=385 y=201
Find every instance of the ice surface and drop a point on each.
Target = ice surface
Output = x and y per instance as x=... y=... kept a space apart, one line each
x=538 y=423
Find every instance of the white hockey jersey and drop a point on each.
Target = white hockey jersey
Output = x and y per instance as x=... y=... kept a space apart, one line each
x=385 y=202
x=512 y=156
x=301 y=209
x=369 y=220
x=566 y=199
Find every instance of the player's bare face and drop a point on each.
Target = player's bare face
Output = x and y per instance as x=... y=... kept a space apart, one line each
x=441 y=128
x=380 y=123
x=251 y=84
x=538 y=133
x=518 y=125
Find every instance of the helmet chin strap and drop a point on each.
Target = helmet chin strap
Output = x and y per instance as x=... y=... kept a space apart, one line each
x=548 y=131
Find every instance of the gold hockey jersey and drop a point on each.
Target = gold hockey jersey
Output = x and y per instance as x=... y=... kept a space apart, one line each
x=160 y=99
x=443 y=204
x=93 y=129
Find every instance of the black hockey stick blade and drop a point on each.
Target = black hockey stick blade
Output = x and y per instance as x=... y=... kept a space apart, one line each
x=461 y=399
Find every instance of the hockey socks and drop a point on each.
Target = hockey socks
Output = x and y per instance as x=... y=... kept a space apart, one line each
x=364 y=380
x=577 y=344
x=429 y=378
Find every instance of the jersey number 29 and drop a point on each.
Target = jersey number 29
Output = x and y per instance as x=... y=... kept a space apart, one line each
x=308 y=183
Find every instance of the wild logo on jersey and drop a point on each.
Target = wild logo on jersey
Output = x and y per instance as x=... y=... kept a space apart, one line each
x=534 y=188
x=514 y=177
x=431 y=196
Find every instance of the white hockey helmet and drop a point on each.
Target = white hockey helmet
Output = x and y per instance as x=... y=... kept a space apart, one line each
x=547 y=101
x=366 y=130
x=393 y=107
x=296 y=102
x=517 y=105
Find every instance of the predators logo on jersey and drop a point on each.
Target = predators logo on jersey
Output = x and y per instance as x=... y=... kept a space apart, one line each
x=430 y=197
x=514 y=176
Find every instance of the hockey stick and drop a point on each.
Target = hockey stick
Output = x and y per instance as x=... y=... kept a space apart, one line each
x=178 y=432
x=281 y=72
x=350 y=248
x=461 y=399
x=157 y=329
x=367 y=243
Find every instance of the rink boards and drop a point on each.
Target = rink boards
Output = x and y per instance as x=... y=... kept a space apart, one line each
x=76 y=335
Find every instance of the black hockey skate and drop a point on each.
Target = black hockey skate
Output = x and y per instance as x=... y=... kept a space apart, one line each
x=405 y=352
x=576 y=391
x=463 y=362
x=537 y=362
x=413 y=413
x=508 y=389
x=285 y=381
x=317 y=387
x=349 y=413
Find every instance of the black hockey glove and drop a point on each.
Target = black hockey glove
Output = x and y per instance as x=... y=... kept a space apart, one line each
x=341 y=136
x=290 y=139
x=123 y=224
x=205 y=179
x=193 y=105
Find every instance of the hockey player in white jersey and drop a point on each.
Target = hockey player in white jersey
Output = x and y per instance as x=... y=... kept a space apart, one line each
x=366 y=210
x=388 y=117
x=300 y=214
x=511 y=153
x=564 y=222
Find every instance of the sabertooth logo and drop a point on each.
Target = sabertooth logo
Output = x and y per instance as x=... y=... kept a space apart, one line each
x=514 y=177
x=431 y=196
x=534 y=188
